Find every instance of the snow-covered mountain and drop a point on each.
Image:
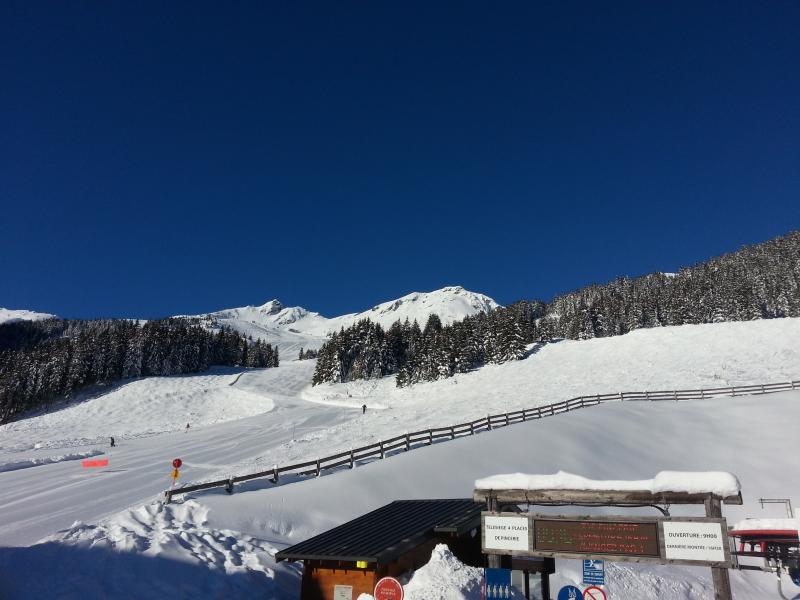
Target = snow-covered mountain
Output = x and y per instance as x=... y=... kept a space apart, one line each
x=8 y=315
x=291 y=328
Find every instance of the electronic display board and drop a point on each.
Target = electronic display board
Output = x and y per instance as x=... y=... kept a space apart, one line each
x=621 y=538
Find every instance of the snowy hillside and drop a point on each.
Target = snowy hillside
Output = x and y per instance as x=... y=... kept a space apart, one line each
x=294 y=327
x=8 y=315
x=211 y=543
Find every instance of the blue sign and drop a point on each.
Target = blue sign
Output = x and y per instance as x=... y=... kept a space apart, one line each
x=594 y=572
x=570 y=592
x=497 y=583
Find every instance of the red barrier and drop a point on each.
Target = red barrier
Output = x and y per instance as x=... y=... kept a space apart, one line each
x=100 y=462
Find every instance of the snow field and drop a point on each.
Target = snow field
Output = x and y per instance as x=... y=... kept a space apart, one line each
x=612 y=441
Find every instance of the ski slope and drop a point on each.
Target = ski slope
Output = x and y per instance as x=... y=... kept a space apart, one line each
x=261 y=417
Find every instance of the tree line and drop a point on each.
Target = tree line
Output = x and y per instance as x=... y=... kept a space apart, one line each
x=44 y=360
x=757 y=282
x=367 y=351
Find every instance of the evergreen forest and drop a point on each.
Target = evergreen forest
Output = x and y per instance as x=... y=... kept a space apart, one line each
x=756 y=282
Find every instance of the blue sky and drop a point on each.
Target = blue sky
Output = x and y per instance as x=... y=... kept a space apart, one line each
x=160 y=159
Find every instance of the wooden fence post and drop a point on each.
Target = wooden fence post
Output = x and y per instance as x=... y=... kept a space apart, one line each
x=430 y=437
x=471 y=428
x=408 y=444
x=382 y=455
x=489 y=422
x=506 y=419
x=351 y=458
x=229 y=486
x=318 y=469
x=720 y=576
x=274 y=473
x=452 y=433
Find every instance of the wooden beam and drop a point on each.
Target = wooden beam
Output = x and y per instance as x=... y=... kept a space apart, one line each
x=604 y=497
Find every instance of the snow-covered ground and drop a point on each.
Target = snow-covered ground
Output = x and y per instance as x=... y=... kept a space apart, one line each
x=261 y=417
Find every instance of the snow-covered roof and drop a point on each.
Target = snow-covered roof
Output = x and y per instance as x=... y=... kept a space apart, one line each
x=767 y=525
x=691 y=482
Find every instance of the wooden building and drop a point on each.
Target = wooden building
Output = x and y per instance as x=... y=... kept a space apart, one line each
x=348 y=560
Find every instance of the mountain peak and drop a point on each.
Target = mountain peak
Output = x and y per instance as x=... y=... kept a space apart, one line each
x=273 y=307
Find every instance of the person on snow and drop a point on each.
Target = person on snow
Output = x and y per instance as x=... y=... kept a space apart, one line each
x=112 y=441
x=363 y=409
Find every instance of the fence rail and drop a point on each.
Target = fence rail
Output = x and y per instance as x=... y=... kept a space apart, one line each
x=427 y=437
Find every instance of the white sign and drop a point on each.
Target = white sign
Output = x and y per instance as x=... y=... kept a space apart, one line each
x=685 y=540
x=343 y=592
x=505 y=533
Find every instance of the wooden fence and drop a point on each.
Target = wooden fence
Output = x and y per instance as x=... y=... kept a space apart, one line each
x=426 y=437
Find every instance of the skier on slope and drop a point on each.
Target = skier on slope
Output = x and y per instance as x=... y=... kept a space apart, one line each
x=363 y=409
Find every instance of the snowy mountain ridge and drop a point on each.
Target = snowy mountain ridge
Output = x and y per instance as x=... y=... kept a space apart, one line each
x=9 y=315
x=292 y=327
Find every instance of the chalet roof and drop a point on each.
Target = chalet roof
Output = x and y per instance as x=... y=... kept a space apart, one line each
x=384 y=534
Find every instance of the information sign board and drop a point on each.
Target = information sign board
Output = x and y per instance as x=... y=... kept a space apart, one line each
x=687 y=540
x=594 y=572
x=496 y=584
x=343 y=592
x=506 y=533
x=619 y=538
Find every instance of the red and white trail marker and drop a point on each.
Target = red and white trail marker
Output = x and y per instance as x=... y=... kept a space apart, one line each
x=94 y=463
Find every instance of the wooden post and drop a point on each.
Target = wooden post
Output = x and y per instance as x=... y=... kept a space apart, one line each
x=720 y=576
x=229 y=485
x=493 y=559
x=545 y=586
x=452 y=433
x=408 y=444
x=506 y=419
x=526 y=576
x=471 y=428
x=489 y=422
x=318 y=469
x=381 y=449
x=430 y=436
x=274 y=473
x=351 y=458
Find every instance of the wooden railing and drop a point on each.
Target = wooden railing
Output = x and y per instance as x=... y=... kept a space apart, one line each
x=426 y=437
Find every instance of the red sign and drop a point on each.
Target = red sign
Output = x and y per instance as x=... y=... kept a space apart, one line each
x=100 y=462
x=177 y=463
x=388 y=588
x=594 y=593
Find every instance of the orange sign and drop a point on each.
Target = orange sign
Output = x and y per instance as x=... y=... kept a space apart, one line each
x=175 y=473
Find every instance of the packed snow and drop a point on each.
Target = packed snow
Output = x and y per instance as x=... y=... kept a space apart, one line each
x=711 y=482
x=193 y=543
x=8 y=315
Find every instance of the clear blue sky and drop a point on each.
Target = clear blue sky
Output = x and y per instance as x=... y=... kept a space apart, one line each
x=160 y=158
